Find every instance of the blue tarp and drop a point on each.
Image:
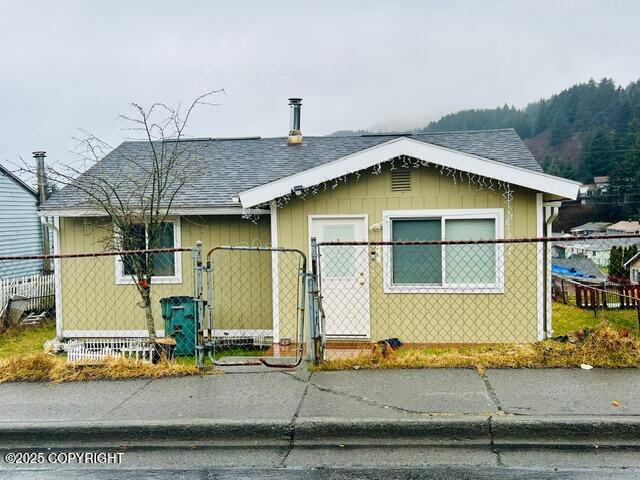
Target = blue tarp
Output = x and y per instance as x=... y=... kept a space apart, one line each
x=569 y=272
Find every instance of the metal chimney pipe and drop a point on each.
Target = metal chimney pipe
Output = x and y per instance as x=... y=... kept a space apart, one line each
x=41 y=176
x=42 y=196
x=295 y=134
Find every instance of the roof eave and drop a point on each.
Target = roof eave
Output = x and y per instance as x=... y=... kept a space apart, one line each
x=72 y=212
x=431 y=153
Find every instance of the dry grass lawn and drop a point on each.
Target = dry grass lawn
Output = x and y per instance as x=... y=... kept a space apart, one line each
x=612 y=343
x=22 y=359
x=603 y=347
x=54 y=368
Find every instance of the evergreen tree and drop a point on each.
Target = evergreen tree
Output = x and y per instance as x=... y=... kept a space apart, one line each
x=616 y=269
x=596 y=156
x=598 y=116
x=560 y=128
x=625 y=175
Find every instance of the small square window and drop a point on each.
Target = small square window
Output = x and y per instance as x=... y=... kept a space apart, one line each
x=164 y=266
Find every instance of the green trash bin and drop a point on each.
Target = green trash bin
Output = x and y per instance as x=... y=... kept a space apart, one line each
x=180 y=317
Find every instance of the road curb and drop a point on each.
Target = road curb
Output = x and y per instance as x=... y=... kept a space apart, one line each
x=586 y=429
x=472 y=428
x=147 y=431
x=498 y=430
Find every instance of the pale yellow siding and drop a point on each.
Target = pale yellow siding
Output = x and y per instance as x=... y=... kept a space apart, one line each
x=433 y=318
x=91 y=299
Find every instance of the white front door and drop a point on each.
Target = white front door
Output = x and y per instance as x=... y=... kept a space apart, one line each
x=344 y=275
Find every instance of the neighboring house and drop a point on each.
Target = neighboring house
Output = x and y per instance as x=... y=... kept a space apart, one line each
x=353 y=188
x=599 y=186
x=590 y=228
x=634 y=268
x=558 y=252
x=602 y=183
x=624 y=227
x=20 y=227
x=587 y=191
x=579 y=268
x=598 y=251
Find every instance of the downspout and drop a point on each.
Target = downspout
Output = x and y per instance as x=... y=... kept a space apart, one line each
x=47 y=227
x=551 y=211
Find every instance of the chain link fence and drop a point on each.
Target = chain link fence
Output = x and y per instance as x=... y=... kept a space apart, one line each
x=95 y=305
x=249 y=306
x=240 y=305
x=453 y=293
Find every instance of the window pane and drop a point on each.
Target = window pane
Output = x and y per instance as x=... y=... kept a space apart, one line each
x=470 y=264
x=338 y=261
x=416 y=263
x=133 y=238
x=164 y=263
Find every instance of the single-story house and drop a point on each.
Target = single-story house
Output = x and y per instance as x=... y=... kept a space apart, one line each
x=20 y=227
x=624 y=227
x=590 y=228
x=634 y=268
x=599 y=250
x=360 y=187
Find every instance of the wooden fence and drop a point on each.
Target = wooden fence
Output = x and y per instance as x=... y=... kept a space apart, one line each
x=38 y=289
x=608 y=295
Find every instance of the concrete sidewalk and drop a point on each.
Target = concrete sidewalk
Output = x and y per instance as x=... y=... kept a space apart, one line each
x=441 y=404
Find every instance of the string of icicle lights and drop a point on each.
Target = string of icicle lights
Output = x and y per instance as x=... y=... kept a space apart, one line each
x=473 y=181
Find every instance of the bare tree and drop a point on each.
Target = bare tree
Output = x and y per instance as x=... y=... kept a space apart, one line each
x=136 y=189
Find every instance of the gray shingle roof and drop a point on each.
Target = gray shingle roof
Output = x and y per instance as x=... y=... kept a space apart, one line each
x=221 y=168
x=596 y=226
x=581 y=264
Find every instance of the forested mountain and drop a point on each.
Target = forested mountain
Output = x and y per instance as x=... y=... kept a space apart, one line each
x=589 y=129
x=586 y=130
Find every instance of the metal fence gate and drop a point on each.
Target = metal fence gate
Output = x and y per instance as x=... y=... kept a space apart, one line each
x=255 y=306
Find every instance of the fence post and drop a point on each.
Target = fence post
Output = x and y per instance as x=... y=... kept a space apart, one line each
x=315 y=349
x=636 y=297
x=196 y=255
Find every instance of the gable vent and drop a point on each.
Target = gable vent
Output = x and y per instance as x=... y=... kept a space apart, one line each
x=401 y=180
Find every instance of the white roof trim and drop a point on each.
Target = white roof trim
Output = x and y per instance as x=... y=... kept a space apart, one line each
x=87 y=212
x=631 y=260
x=435 y=154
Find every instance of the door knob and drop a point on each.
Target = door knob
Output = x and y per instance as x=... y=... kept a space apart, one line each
x=361 y=278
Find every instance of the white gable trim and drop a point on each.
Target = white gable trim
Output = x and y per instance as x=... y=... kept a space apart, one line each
x=540 y=182
x=631 y=260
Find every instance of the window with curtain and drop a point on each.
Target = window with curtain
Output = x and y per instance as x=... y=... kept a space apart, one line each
x=444 y=265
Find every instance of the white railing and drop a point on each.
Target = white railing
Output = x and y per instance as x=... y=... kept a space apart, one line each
x=38 y=289
x=97 y=350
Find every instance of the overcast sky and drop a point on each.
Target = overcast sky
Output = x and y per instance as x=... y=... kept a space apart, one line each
x=66 y=65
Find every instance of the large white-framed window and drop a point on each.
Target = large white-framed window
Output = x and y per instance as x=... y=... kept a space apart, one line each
x=468 y=268
x=167 y=266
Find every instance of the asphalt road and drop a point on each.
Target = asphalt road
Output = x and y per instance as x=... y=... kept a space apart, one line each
x=388 y=463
